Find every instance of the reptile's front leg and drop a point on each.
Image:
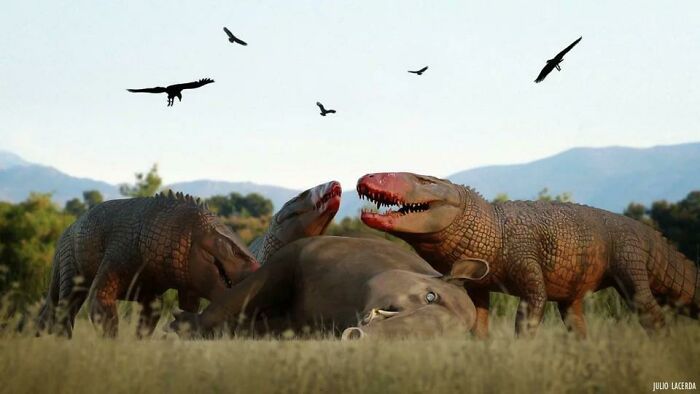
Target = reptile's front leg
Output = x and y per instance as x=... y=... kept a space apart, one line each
x=188 y=301
x=105 y=290
x=529 y=283
x=572 y=314
x=149 y=316
x=481 y=302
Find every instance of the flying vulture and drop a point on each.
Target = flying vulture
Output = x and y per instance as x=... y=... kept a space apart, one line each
x=554 y=62
x=174 y=90
x=324 y=111
x=233 y=38
x=419 y=72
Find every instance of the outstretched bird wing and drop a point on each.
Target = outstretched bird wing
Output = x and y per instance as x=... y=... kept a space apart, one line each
x=422 y=70
x=148 y=90
x=321 y=106
x=545 y=71
x=234 y=38
x=330 y=111
x=567 y=49
x=192 y=85
x=238 y=40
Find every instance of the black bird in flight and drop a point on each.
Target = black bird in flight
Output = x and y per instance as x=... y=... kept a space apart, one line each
x=174 y=90
x=419 y=72
x=554 y=62
x=323 y=110
x=233 y=38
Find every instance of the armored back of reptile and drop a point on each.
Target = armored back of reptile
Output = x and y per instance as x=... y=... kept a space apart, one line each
x=135 y=249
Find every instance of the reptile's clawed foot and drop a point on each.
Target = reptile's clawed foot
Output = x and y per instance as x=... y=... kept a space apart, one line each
x=186 y=324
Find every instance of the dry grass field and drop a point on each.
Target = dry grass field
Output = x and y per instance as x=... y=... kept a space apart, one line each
x=617 y=357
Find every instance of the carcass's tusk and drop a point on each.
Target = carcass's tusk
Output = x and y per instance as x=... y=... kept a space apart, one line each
x=386 y=313
x=375 y=312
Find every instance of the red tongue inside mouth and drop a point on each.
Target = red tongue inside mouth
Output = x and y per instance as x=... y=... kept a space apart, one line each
x=377 y=220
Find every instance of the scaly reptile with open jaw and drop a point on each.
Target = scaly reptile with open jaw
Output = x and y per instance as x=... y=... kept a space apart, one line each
x=537 y=250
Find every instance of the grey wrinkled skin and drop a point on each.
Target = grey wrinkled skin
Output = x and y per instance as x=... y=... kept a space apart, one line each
x=397 y=290
x=135 y=249
x=337 y=283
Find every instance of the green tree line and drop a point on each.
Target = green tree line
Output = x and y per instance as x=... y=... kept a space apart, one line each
x=677 y=221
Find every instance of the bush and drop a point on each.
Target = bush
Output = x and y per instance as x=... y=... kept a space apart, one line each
x=247 y=227
x=29 y=231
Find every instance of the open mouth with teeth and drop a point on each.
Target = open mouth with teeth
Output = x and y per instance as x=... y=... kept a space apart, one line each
x=330 y=198
x=395 y=205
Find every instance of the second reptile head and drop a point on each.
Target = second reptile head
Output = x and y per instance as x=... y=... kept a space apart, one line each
x=417 y=204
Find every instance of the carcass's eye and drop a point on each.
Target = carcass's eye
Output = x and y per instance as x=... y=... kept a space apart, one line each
x=431 y=297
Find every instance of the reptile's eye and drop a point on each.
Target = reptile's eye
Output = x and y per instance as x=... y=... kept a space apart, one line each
x=431 y=297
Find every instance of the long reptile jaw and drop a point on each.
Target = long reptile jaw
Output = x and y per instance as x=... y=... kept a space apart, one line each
x=396 y=205
x=317 y=202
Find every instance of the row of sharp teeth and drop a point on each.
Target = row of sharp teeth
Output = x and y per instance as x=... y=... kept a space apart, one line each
x=409 y=208
x=389 y=201
x=378 y=198
x=325 y=198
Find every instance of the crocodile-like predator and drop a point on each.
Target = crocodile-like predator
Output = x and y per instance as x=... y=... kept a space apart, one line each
x=135 y=249
x=537 y=251
x=306 y=215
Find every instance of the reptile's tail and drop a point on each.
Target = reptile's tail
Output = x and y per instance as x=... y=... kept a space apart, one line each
x=47 y=313
x=695 y=306
x=681 y=280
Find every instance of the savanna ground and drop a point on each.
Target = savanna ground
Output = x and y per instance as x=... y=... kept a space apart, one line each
x=617 y=357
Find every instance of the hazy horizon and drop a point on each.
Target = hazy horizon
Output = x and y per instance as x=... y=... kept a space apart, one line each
x=345 y=185
x=632 y=81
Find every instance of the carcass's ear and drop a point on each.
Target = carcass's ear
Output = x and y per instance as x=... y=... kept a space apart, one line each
x=469 y=269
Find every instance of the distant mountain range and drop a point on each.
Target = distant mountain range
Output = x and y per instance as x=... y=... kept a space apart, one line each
x=8 y=160
x=608 y=178
x=18 y=178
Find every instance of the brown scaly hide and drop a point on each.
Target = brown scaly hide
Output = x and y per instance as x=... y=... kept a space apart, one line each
x=126 y=249
x=557 y=251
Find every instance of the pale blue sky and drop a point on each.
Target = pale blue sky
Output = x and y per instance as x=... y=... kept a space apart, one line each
x=633 y=80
